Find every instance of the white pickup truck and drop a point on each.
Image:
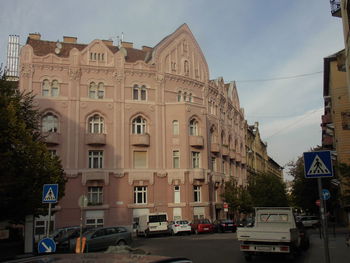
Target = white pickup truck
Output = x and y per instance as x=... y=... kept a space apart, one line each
x=275 y=230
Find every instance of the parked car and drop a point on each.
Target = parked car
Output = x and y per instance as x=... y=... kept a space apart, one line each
x=224 y=225
x=60 y=232
x=103 y=237
x=201 y=226
x=179 y=227
x=309 y=221
x=151 y=224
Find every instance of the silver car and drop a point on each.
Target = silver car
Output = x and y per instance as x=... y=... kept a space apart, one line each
x=103 y=237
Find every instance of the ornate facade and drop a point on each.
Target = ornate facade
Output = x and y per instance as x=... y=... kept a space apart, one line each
x=137 y=130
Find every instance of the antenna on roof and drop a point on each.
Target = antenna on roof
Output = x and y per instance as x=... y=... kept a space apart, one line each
x=122 y=36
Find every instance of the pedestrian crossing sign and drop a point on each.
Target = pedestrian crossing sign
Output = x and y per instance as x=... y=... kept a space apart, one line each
x=318 y=164
x=50 y=193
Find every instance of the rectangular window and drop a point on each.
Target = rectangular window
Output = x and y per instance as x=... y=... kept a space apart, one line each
x=176 y=159
x=96 y=159
x=140 y=194
x=135 y=93
x=197 y=193
x=176 y=127
x=94 y=222
x=140 y=159
x=345 y=117
x=213 y=164
x=223 y=167
x=143 y=94
x=100 y=94
x=195 y=159
x=95 y=195
x=177 y=199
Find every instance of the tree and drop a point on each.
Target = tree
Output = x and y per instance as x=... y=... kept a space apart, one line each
x=25 y=163
x=267 y=190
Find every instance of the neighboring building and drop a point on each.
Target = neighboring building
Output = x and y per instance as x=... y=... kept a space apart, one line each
x=258 y=160
x=137 y=131
x=336 y=119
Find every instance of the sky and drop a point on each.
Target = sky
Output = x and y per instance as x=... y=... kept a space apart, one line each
x=250 y=42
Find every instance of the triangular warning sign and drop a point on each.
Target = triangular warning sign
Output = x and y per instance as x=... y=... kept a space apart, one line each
x=50 y=196
x=318 y=167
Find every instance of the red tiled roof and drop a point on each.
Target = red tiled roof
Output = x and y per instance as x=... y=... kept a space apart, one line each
x=44 y=47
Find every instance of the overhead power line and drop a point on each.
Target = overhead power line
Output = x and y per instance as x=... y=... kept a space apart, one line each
x=280 y=78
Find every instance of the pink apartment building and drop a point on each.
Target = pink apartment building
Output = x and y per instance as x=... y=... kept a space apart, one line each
x=137 y=131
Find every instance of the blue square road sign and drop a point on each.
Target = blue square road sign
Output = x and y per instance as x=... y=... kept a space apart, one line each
x=318 y=164
x=50 y=193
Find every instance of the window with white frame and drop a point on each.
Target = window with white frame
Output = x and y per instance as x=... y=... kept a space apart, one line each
x=50 y=123
x=139 y=92
x=140 y=159
x=50 y=89
x=194 y=127
x=94 y=222
x=140 y=194
x=139 y=125
x=197 y=193
x=177 y=199
x=95 y=159
x=176 y=127
x=96 y=124
x=176 y=159
x=195 y=156
x=96 y=91
x=95 y=195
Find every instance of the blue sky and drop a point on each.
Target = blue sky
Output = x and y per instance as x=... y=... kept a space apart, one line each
x=241 y=40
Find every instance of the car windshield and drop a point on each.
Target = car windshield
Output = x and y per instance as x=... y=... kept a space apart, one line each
x=182 y=222
x=157 y=218
x=204 y=221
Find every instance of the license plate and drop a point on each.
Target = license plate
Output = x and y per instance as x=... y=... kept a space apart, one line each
x=263 y=248
x=206 y=228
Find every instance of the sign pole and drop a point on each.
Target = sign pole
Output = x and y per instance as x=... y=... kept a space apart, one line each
x=49 y=221
x=323 y=221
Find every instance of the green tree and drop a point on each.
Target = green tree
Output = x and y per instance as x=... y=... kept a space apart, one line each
x=267 y=190
x=25 y=163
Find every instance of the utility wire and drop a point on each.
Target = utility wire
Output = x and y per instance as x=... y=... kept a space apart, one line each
x=280 y=78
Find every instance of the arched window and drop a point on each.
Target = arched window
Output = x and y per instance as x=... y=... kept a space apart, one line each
x=139 y=125
x=213 y=136
x=223 y=141
x=50 y=89
x=194 y=127
x=176 y=127
x=185 y=96
x=179 y=95
x=49 y=123
x=96 y=124
x=96 y=91
x=190 y=98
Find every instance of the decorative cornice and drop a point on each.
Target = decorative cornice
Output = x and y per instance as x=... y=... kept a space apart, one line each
x=27 y=70
x=184 y=80
x=74 y=73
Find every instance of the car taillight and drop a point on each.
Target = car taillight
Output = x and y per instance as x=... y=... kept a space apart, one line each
x=177 y=225
x=244 y=247
x=284 y=248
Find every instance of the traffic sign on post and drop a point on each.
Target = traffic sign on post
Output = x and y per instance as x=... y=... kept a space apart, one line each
x=318 y=164
x=326 y=194
x=50 y=193
x=46 y=245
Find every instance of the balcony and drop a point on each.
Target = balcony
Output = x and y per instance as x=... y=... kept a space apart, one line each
x=197 y=141
x=225 y=150
x=215 y=148
x=238 y=157
x=140 y=139
x=95 y=138
x=335 y=8
x=52 y=138
x=326 y=119
x=327 y=140
x=232 y=154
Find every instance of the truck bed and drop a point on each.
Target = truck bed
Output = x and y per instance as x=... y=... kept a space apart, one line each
x=266 y=234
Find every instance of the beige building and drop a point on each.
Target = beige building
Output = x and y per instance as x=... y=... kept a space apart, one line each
x=137 y=130
x=258 y=160
x=336 y=118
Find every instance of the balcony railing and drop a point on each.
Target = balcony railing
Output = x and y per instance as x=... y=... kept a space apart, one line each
x=52 y=137
x=140 y=139
x=215 y=148
x=225 y=150
x=197 y=141
x=95 y=138
x=335 y=8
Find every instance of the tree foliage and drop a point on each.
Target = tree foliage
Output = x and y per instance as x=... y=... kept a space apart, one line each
x=267 y=190
x=25 y=163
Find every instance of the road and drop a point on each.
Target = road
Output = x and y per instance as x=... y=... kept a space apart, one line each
x=209 y=248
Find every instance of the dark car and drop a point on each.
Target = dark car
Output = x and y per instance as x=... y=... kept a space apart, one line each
x=101 y=238
x=224 y=225
x=201 y=226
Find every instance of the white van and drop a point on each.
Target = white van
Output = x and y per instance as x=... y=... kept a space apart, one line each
x=153 y=223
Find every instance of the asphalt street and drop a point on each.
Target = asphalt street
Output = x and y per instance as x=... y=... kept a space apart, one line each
x=224 y=247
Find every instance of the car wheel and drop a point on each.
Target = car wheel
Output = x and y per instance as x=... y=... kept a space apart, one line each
x=122 y=243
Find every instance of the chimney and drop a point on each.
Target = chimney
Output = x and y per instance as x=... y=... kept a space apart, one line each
x=146 y=48
x=108 y=42
x=127 y=44
x=72 y=40
x=35 y=36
